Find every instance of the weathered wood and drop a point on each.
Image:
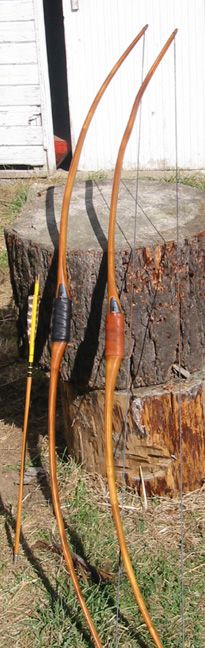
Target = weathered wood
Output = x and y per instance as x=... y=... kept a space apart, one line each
x=24 y=83
x=32 y=155
x=8 y=173
x=151 y=417
x=20 y=95
x=21 y=116
x=14 y=135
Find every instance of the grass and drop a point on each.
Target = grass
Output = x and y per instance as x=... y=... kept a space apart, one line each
x=55 y=618
x=99 y=176
x=13 y=198
x=196 y=181
x=3 y=260
x=18 y=201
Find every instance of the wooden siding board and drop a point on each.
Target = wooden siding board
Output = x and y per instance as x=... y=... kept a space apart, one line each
x=18 y=53
x=20 y=95
x=19 y=74
x=17 y=32
x=16 y=10
x=18 y=135
x=16 y=155
x=21 y=116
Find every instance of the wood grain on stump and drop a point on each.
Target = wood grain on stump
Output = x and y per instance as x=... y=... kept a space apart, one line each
x=152 y=427
x=148 y=283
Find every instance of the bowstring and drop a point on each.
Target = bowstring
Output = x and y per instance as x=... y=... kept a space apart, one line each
x=141 y=208
x=181 y=507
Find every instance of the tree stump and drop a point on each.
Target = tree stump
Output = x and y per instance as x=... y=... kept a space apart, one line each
x=150 y=418
x=156 y=282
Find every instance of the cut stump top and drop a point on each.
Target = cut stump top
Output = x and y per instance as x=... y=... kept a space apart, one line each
x=156 y=217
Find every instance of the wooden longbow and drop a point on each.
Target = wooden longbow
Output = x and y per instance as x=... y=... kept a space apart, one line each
x=114 y=349
x=61 y=334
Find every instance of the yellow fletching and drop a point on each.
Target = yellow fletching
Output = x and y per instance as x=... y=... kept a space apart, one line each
x=35 y=301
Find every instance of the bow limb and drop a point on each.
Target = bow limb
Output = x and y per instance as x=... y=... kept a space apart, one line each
x=57 y=357
x=62 y=274
x=114 y=350
x=61 y=332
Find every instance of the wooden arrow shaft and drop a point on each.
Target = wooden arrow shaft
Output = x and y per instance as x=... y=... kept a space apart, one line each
x=32 y=335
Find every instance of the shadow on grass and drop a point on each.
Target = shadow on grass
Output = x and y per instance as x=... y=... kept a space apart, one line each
x=37 y=566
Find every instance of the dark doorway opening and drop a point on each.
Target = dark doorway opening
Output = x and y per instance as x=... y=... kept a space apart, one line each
x=55 y=40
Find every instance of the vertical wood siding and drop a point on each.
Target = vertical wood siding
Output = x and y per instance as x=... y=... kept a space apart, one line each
x=96 y=35
x=23 y=138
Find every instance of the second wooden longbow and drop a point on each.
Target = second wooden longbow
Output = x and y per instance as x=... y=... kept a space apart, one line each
x=61 y=335
x=114 y=349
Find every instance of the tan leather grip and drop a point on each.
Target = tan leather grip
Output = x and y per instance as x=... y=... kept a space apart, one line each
x=114 y=335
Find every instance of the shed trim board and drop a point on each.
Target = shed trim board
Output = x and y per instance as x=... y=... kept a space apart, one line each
x=47 y=122
x=96 y=35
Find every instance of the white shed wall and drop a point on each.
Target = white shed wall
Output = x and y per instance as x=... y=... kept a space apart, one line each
x=26 y=131
x=96 y=35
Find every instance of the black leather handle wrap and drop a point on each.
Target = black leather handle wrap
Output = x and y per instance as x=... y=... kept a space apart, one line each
x=61 y=319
